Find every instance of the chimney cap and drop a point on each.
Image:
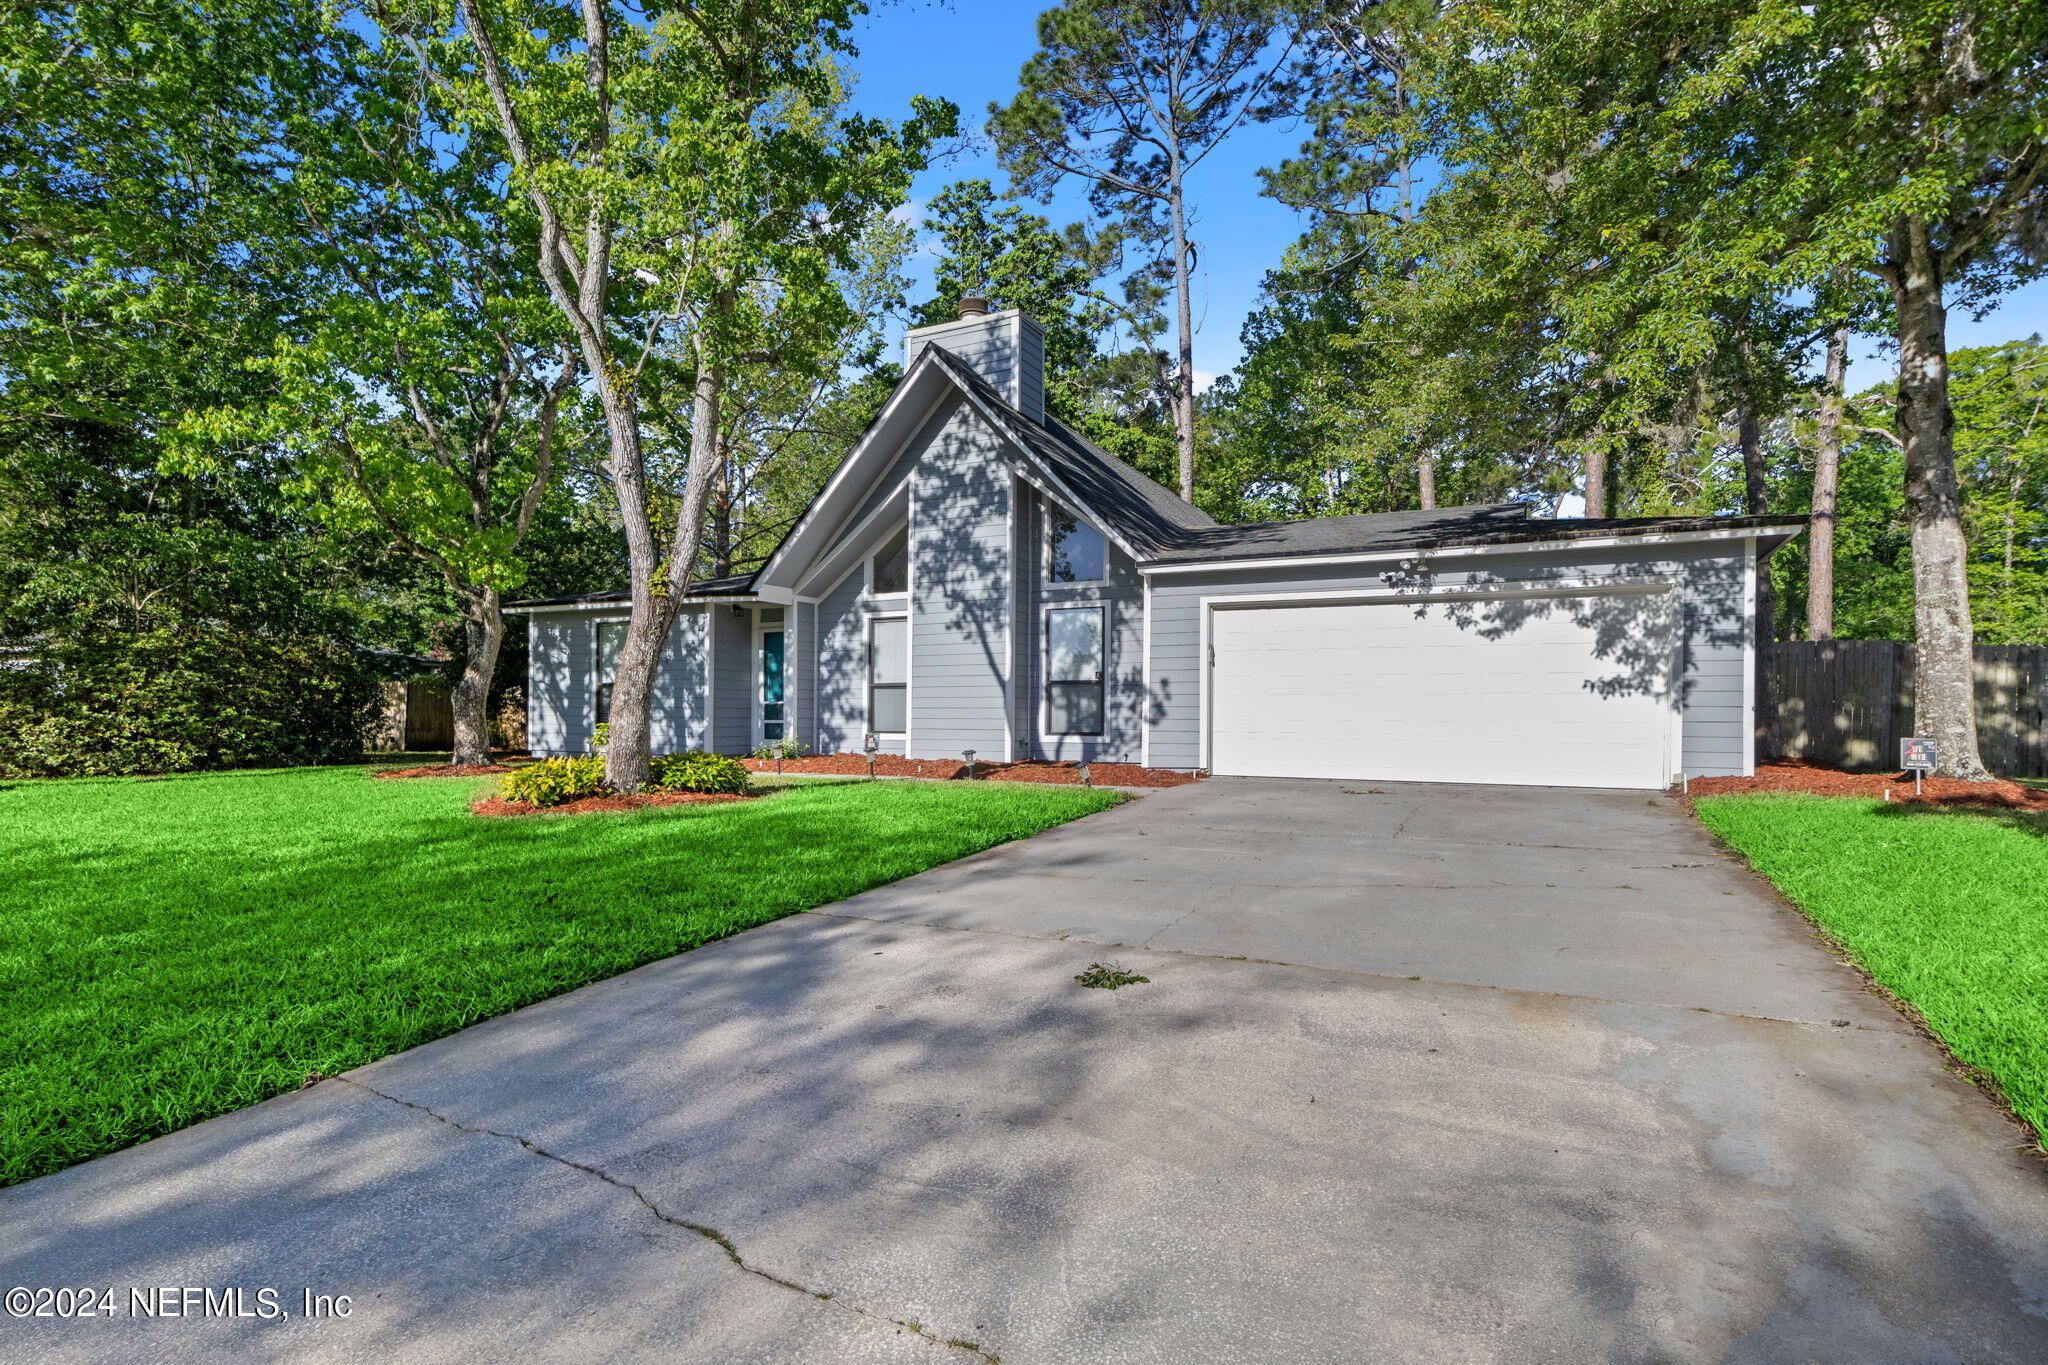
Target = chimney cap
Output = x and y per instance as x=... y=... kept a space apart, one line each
x=973 y=306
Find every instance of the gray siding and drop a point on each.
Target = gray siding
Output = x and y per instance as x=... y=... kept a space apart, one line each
x=1715 y=619
x=554 y=668
x=960 y=583
x=842 y=670
x=679 y=717
x=800 y=672
x=732 y=677
x=988 y=345
x=899 y=469
x=1122 y=598
x=562 y=683
x=1712 y=620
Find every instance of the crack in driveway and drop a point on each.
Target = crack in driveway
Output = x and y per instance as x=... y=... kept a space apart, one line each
x=709 y=1234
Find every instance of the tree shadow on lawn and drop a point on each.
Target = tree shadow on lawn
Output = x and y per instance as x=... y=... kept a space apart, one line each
x=377 y=935
x=832 y=1118
x=2029 y=822
x=941 y=1128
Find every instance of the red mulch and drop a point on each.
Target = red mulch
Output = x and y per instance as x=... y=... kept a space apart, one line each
x=1813 y=778
x=1100 y=774
x=947 y=770
x=445 y=770
x=498 y=805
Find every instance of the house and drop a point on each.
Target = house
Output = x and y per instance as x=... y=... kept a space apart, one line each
x=978 y=576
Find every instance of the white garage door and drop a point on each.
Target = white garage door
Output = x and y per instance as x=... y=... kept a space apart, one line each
x=1557 y=691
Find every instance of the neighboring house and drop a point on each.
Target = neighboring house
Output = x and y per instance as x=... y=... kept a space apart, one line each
x=977 y=576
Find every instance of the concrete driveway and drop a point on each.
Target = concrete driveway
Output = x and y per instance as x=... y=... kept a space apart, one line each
x=1421 y=1074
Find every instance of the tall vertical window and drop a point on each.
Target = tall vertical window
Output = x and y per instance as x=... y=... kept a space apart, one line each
x=889 y=675
x=611 y=637
x=1073 y=671
x=892 y=564
x=771 y=684
x=1076 y=554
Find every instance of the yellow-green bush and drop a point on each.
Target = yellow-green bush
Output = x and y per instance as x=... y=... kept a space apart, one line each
x=553 y=781
x=701 y=772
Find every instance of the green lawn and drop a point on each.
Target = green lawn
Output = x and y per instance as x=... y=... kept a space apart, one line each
x=173 y=949
x=1947 y=910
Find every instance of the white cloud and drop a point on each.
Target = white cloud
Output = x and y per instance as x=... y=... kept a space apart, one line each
x=1203 y=379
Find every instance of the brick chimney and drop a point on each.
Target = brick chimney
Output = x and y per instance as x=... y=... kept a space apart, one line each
x=1007 y=349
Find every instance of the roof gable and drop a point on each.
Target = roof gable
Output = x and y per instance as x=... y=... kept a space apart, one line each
x=1141 y=516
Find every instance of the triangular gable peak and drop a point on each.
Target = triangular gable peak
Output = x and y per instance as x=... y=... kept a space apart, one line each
x=935 y=375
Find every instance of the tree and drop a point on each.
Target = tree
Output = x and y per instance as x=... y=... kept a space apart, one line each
x=422 y=393
x=142 y=158
x=1132 y=96
x=1105 y=375
x=1827 y=478
x=783 y=429
x=694 y=182
x=1942 y=104
x=1722 y=149
x=1356 y=175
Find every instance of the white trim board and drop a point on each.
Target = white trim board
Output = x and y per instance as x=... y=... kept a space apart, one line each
x=1425 y=556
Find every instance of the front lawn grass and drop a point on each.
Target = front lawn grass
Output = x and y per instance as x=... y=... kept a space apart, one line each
x=1947 y=909
x=173 y=949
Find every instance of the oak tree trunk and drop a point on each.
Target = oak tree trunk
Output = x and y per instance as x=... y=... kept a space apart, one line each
x=658 y=595
x=1944 y=697
x=483 y=631
x=1827 y=471
x=627 y=758
x=1425 y=479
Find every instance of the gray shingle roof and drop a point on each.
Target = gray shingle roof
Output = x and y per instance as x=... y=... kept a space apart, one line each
x=1146 y=515
x=1442 y=528
x=733 y=585
x=1165 y=529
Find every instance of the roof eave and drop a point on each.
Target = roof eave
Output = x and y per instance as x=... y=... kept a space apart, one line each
x=1775 y=530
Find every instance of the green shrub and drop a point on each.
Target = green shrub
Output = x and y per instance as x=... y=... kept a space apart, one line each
x=789 y=746
x=701 y=772
x=175 y=699
x=553 y=781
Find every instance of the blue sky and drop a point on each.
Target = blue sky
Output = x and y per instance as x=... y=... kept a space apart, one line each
x=970 y=52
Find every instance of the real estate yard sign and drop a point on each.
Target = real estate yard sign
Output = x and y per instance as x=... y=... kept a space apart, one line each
x=1917 y=755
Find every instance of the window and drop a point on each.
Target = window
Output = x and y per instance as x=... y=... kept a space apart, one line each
x=611 y=637
x=889 y=675
x=1073 y=671
x=890 y=570
x=771 y=684
x=1077 y=554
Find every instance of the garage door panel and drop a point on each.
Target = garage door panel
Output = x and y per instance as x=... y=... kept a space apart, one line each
x=1389 y=691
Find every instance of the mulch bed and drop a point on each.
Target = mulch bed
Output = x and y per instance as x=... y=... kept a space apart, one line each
x=498 y=805
x=445 y=770
x=950 y=770
x=1821 y=781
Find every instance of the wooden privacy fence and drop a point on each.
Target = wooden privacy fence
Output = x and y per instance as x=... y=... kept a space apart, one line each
x=1848 y=703
x=412 y=715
